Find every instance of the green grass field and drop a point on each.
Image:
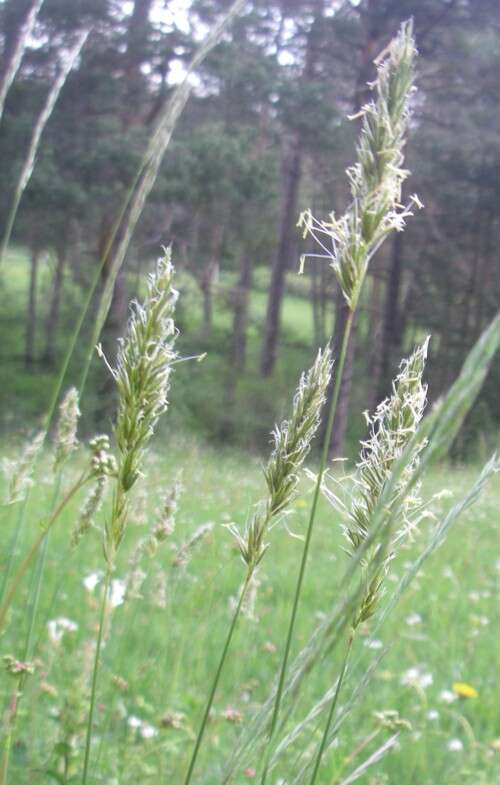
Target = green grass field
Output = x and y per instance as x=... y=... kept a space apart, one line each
x=161 y=648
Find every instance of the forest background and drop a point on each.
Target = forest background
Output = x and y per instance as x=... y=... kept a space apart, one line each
x=263 y=136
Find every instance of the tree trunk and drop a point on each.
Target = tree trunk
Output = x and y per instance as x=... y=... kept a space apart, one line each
x=137 y=53
x=31 y=312
x=392 y=338
x=291 y=182
x=52 y=322
x=241 y=295
x=342 y=413
x=209 y=276
x=293 y=169
x=237 y=350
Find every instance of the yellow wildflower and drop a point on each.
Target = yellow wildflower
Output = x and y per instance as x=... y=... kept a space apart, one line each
x=464 y=690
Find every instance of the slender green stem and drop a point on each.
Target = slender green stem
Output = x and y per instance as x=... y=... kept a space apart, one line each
x=90 y=720
x=35 y=599
x=215 y=682
x=324 y=740
x=21 y=571
x=21 y=517
x=307 y=542
x=12 y=712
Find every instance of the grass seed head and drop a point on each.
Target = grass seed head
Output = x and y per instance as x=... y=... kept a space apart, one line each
x=65 y=438
x=19 y=473
x=143 y=370
x=292 y=443
x=392 y=427
x=377 y=176
x=142 y=377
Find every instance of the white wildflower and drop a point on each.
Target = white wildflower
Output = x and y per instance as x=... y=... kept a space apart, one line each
x=447 y=696
x=374 y=644
x=416 y=677
x=455 y=745
x=92 y=580
x=117 y=592
x=57 y=628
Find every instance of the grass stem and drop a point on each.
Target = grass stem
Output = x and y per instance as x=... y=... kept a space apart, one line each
x=331 y=712
x=95 y=672
x=307 y=542
x=215 y=682
x=21 y=571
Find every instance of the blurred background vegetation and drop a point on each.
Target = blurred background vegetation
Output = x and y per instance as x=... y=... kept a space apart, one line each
x=263 y=136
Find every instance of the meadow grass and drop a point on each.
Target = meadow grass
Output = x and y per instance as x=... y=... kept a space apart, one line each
x=159 y=660
x=120 y=668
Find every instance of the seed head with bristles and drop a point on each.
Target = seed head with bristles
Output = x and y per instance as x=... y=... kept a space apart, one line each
x=65 y=439
x=143 y=370
x=142 y=377
x=376 y=178
x=19 y=472
x=391 y=429
x=292 y=443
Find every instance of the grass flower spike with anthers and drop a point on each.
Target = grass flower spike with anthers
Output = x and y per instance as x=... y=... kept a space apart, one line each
x=292 y=442
x=142 y=376
x=376 y=178
x=349 y=242
x=392 y=427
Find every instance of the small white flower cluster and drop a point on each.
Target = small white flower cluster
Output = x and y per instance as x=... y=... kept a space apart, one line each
x=57 y=627
x=117 y=589
x=145 y=730
x=417 y=677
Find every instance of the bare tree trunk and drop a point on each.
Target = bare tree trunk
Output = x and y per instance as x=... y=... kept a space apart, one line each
x=293 y=168
x=31 y=312
x=291 y=183
x=374 y=347
x=392 y=338
x=209 y=277
x=137 y=52
x=241 y=295
x=237 y=351
x=52 y=322
x=342 y=413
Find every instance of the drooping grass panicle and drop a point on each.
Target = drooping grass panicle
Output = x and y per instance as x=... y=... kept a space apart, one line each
x=292 y=443
x=65 y=441
x=377 y=176
x=19 y=473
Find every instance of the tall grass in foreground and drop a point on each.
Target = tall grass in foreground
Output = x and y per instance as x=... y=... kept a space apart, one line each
x=292 y=733
x=376 y=180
